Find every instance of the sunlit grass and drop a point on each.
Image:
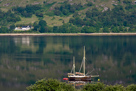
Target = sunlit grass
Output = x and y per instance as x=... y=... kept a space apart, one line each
x=51 y=20
x=27 y=20
x=56 y=20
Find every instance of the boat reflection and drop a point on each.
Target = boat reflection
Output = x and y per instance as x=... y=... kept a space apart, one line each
x=80 y=84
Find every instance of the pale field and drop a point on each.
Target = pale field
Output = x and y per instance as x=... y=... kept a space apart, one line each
x=51 y=20
x=56 y=20
x=27 y=20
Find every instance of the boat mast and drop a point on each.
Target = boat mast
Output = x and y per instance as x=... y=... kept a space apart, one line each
x=74 y=65
x=84 y=62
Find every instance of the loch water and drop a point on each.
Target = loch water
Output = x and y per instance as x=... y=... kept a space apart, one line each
x=26 y=59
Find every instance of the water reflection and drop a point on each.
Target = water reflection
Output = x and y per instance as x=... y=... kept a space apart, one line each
x=25 y=59
x=78 y=84
x=25 y=40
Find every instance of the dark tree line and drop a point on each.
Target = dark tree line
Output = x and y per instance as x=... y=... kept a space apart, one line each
x=67 y=9
x=8 y=17
x=28 y=10
x=42 y=27
x=4 y=29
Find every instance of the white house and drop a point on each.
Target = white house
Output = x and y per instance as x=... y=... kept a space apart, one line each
x=23 y=28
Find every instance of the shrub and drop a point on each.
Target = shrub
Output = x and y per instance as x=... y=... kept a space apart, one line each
x=114 y=88
x=131 y=87
x=55 y=85
x=94 y=87
x=50 y=85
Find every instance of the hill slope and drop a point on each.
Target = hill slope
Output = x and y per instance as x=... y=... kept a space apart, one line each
x=93 y=14
x=7 y=4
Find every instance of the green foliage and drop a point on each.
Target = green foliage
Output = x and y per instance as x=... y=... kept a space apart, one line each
x=50 y=85
x=67 y=9
x=106 y=30
x=114 y=88
x=127 y=1
x=92 y=13
x=77 y=21
x=132 y=29
x=4 y=30
x=12 y=27
x=108 y=19
x=41 y=26
x=42 y=23
x=89 y=4
x=39 y=14
x=8 y=17
x=131 y=87
x=94 y=87
x=115 y=30
x=120 y=19
x=28 y=10
x=75 y=14
x=87 y=29
x=55 y=85
x=66 y=28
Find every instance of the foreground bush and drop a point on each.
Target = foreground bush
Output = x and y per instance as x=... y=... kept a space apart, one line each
x=94 y=87
x=50 y=85
x=55 y=85
x=131 y=87
x=114 y=88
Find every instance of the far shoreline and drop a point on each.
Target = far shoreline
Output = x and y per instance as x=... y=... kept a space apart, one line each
x=67 y=34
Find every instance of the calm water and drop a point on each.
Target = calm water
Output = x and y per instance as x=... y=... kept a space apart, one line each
x=26 y=59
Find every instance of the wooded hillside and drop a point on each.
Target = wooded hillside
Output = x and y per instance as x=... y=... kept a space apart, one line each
x=72 y=16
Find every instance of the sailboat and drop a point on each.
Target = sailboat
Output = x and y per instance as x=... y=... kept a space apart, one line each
x=78 y=76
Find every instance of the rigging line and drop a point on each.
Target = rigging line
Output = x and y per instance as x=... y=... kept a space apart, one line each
x=72 y=69
x=90 y=72
x=86 y=60
x=81 y=65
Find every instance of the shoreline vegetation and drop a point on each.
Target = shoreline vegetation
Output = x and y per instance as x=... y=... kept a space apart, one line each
x=68 y=34
x=55 y=85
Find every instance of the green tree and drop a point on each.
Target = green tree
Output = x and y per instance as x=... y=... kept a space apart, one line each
x=12 y=27
x=115 y=30
x=114 y=88
x=42 y=29
x=36 y=27
x=42 y=23
x=89 y=4
x=106 y=30
x=65 y=12
x=57 y=12
x=75 y=14
x=121 y=28
x=131 y=87
x=127 y=1
x=87 y=29
x=94 y=87
x=4 y=29
x=50 y=85
x=55 y=29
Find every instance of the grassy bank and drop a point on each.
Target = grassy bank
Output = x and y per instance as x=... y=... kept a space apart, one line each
x=55 y=85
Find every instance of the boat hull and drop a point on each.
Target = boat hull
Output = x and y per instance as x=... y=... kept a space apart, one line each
x=79 y=78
